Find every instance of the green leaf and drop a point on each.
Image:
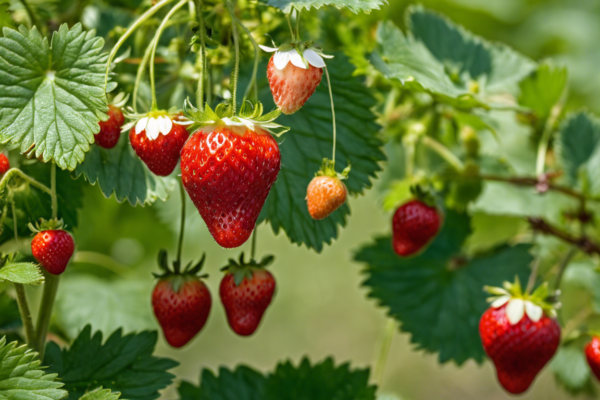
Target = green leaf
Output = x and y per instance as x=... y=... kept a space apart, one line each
x=310 y=140
x=106 y=305
x=571 y=370
x=123 y=363
x=51 y=96
x=592 y=176
x=241 y=384
x=542 y=89
x=445 y=60
x=322 y=381
x=22 y=378
x=576 y=141
x=24 y=273
x=354 y=5
x=120 y=172
x=438 y=295
x=100 y=394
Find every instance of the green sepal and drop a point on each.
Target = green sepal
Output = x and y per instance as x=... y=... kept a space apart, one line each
x=191 y=269
x=424 y=194
x=245 y=270
x=541 y=296
x=47 y=225
x=328 y=169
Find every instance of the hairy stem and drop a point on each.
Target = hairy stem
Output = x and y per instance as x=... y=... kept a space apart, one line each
x=25 y=314
x=443 y=152
x=531 y=181
x=252 y=83
x=159 y=31
x=287 y=17
x=138 y=22
x=332 y=114
x=384 y=350
x=202 y=56
x=236 y=68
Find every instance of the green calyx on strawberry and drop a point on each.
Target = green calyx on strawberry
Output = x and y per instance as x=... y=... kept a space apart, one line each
x=328 y=169
x=518 y=303
x=250 y=116
x=47 y=225
x=241 y=269
x=174 y=273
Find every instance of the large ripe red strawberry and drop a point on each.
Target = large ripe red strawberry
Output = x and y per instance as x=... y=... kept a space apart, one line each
x=246 y=291
x=592 y=354
x=110 y=130
x=520 y=338
x=228 y=174
x=4 y=163
x=157 y=140
x=414 y=225
x=181 y=305
x=53 y=250
x=292 y=86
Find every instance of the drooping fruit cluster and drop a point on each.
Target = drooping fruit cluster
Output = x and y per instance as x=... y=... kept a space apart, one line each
x=246 y=291
x=326 y=192
x=520 y=334
x=414 y=225
x=181 y=301
x=228 y=173
x=110 y=130
x=158 y=140
x=52 y=247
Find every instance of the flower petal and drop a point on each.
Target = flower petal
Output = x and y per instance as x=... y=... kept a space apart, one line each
x=296 y=59
x=152 y=129
x=268 y=49
x=281 y=59
x=500 y=301
x=314 y=59
x=165 y=125
x=515 y=311
x=534 y=312
x=141 y=125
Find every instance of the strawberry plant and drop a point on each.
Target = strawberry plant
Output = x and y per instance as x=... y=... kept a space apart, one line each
x=210 y=127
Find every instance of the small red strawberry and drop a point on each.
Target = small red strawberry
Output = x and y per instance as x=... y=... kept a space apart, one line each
x=181 y=303
x=228 y=173
x=53 y=250
x=4 y=163
x=519 y=336
x=246 y=291
x=592 y=353
x=110 y=130
x=157 y=140
x=326 y=192
x=414 y=225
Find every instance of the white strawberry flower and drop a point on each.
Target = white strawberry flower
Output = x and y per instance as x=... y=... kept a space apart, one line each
x=154 y=126
x=311 y=55
x=516 y=308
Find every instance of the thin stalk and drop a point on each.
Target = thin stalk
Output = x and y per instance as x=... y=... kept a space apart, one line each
x=17 y=172
x=563 y=266
x=150 y=12
x=332 y=113
x=159 y=31
x=43 y=322
x=204 y=61
x=533 y=276
x=443 y=152
x=140 y=74
x=236 y=69
x=53 y=191
x=181 y=227
x=252 y=83
x=545 y=139
x=287 y=17
x=384 y=351
x=253 y=245
x=298 y=23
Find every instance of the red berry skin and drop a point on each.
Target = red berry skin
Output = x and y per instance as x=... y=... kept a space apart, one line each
x=592 y=353
x=110 y=131
x=245 y=304
x=181 y=314
x=4 y=164
x=518 y=351
x=53 y=249
x=228 y=176
x=414 y=225
x=292 y=86
x=160 y=155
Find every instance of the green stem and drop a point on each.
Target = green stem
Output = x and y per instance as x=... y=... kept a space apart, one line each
x=443 y=152
x=150 y=12
x=545 y=139
x=386 y=344
x=25 y=314
x=252 y=83
x=287 y=17
x=43 y=322
x=332 y=113
x=563 y=266
x=32 y=18
x=181 y=227
x=298 y=23
x=101 y=260
x=159 y=31
x=200 y=91
x=11 y=173
x=236 y=69
x=140 y=74
x=53 y=191
x=253 y=245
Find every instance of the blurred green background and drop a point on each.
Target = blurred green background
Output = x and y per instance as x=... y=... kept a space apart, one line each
x=320 y=308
